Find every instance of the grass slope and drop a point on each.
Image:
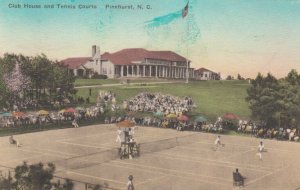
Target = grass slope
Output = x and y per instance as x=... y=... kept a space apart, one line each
x=213 y=98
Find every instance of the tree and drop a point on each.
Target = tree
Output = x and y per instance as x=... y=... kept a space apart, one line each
x=239 y=77
x=263 y=98
x=31 y=76
x=275 y=102
x=3 y=90
x=34 y=177
x=16 y=81
x=229 y=77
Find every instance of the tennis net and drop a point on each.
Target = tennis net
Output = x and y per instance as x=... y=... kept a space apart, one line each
x=87 y=160
x=97 y=158
x=160 y=145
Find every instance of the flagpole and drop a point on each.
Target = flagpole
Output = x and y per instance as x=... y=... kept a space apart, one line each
x=187 y=52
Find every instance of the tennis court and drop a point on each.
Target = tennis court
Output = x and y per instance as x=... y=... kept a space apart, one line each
x=169 y=159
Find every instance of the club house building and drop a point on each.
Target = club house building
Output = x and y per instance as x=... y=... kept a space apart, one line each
x=134 y=62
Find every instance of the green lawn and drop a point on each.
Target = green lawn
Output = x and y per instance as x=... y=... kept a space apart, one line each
x=213 y=98
x=88 y=82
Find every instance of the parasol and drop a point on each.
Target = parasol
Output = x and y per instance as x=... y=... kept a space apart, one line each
x=42 y=112
x=158 y=114
x=18 y=114
x=70 y=110
x=62 y=111
x=230 y=116
x=183 y=118
x=172 y=115
x=6 y=114
x=125 y=124
x=200 y=118
x=80 y=108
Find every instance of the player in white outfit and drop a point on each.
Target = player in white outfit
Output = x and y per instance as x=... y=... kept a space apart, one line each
x=261 y=147
x=218 y=142
x=119 y=133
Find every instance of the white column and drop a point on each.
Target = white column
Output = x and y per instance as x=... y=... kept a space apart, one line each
x=144 y=69
x=150 y=70
x=127 y=71
x=156 y=71
x=179 y=72
x=132 y=73
x=138 y=70
x=173 y=72
x=122 y=71
x=168 y=72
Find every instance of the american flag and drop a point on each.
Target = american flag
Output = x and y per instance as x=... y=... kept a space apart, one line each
x=185 y=10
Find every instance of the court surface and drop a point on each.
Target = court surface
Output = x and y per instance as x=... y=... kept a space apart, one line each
x=170 y=159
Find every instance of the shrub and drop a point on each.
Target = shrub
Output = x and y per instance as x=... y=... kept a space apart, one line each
x=97 y=76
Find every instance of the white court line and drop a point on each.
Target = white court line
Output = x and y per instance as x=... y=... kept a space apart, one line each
x=154 y=138
x=223 y=152
x=25 y=150
x=9 y=148
x=220 y=163
x=200 y=149
x=181 y=176
x=22 y=159
x=96 y=144
x=151 y=179
x=83 y=145
x=175 y=171
x=237 y=154
x=48 y=150
x=138 y=169
x=95 y=177
x=100 y=134
x=271 y=173
x=246 y=146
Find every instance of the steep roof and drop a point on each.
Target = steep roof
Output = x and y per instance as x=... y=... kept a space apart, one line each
x=128 y=56
x=201 y=70
x=75 y=62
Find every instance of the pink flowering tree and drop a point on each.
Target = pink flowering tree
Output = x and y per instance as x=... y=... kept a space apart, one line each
x=16 y=82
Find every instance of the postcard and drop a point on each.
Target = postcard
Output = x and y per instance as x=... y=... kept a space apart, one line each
x=140 y=94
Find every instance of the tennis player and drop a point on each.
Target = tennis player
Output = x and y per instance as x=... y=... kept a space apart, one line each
x=130 y=183
x=218 y=142
x=261 y=148
x=119 y=133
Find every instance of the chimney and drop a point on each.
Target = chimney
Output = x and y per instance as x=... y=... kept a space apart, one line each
x=94 y=49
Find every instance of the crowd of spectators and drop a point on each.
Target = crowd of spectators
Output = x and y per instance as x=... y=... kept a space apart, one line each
x=261 y=131
x=156 y=102
x=106 y=100
x=147 y=102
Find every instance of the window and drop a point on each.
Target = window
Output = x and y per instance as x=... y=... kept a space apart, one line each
x=104 y=71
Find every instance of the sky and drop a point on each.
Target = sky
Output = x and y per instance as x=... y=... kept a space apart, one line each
x=226 y=36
